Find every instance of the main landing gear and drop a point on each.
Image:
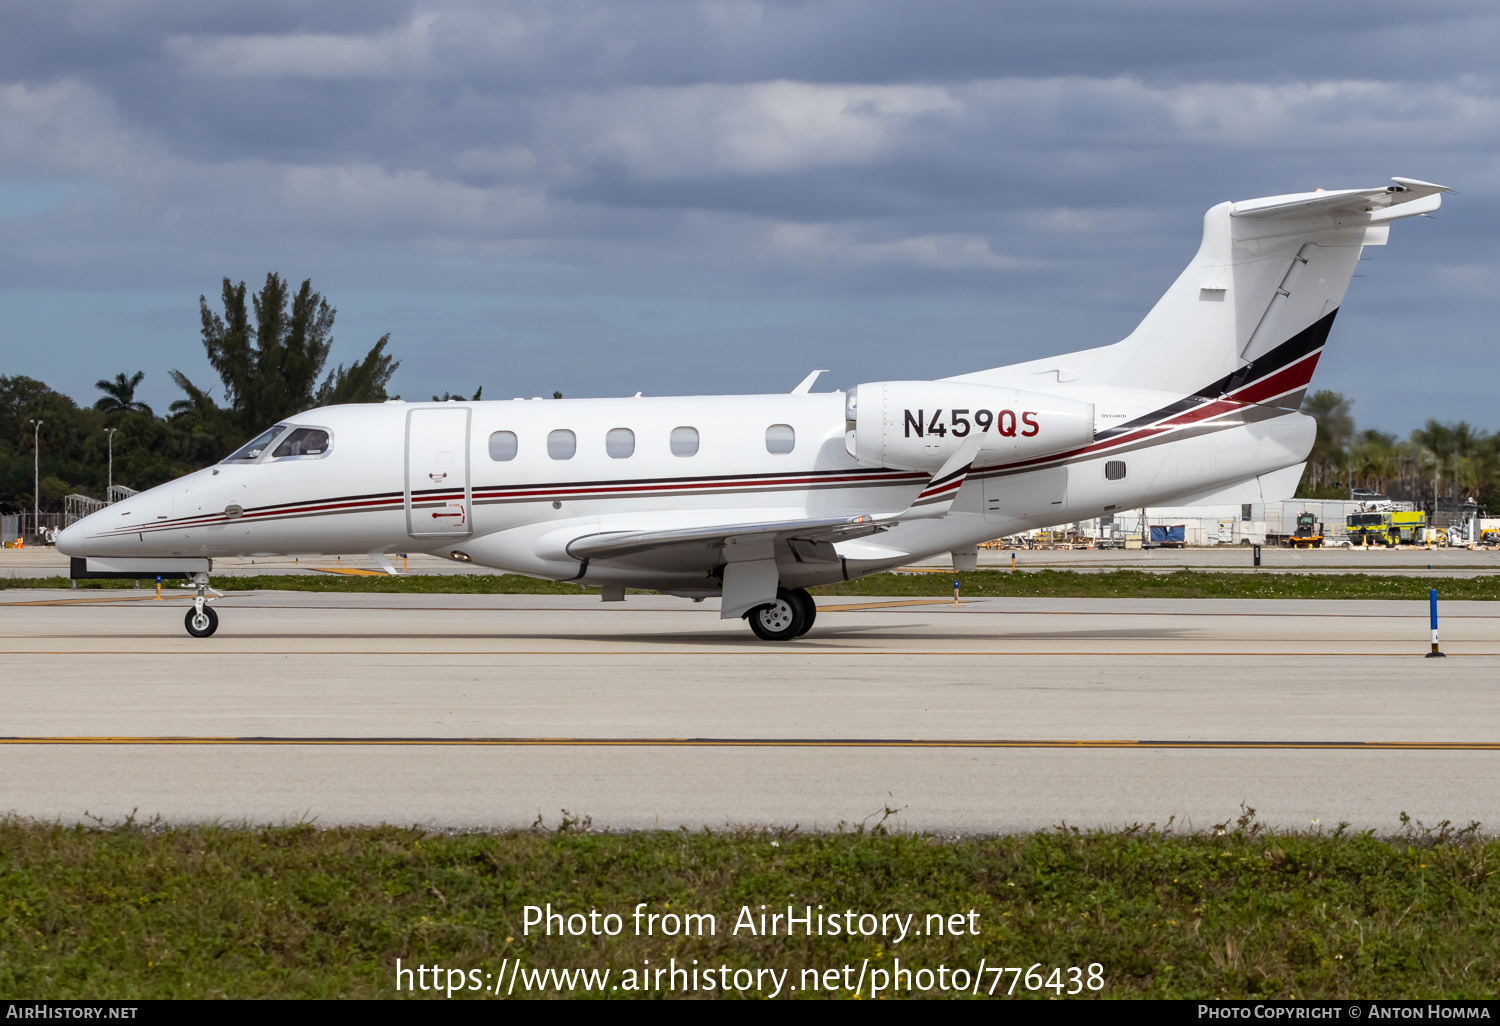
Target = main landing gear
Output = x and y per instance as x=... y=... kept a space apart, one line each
x=790 y=616
x=201 y=621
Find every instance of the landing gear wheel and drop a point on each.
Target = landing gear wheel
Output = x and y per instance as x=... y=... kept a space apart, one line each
x=201 y=625
x=780 y=620
x=809 y=609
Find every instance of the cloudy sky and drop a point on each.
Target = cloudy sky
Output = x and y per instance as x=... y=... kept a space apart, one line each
x=710 y=197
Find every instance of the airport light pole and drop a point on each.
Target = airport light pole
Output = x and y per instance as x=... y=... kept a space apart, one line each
x=109 y=489
x=36 y=478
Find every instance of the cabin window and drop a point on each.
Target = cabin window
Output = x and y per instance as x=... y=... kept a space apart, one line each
x=684 y=441
x=503 y=446
x=302 y=443
x=562 y=444
x=253 y=449
x=1114 y=470
x=780 y=439
x=619 y=443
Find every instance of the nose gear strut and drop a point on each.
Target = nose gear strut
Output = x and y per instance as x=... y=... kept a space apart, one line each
x=201 y=621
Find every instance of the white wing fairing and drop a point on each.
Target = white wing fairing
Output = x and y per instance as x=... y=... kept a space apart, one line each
x=756 y=498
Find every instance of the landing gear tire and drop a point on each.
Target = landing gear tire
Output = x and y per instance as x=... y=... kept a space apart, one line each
x=781 y=620
x=809 y=609
x=201 y=625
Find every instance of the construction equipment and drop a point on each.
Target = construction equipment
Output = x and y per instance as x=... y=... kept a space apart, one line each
x=1309 y=532
x=1388 y=529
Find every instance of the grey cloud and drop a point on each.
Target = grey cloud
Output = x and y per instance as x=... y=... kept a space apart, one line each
x=1039 y=168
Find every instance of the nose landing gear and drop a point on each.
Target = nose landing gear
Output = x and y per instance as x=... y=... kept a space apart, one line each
x=201 y=621
x=790 y=616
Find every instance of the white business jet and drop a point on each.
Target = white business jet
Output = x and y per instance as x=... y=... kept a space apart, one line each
x=755 y=498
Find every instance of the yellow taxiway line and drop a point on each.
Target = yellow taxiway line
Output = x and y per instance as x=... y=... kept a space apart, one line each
x=733 y=742
x=146 y=595
x=856 y=606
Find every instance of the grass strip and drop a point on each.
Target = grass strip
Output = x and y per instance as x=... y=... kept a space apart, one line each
x=147 y=911
x=1192 y=584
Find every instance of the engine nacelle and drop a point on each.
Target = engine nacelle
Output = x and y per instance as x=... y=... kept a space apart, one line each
x=916 y=425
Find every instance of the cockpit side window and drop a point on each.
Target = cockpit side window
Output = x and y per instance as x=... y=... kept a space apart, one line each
x=256 y=447
x=304 y=444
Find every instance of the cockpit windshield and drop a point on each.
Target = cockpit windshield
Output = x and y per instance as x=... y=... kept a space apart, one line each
x=253 y=449
x=303 y=443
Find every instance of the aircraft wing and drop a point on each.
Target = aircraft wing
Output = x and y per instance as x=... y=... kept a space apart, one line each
x=935 y=500
x=750 y=555
x=607 y=545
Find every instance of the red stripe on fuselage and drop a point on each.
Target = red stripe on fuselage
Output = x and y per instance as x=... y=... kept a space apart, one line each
x=1295 y=375
x=396 y=500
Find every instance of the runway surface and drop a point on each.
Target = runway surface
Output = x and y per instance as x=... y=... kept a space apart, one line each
x=1404 y=562
x=994 y=715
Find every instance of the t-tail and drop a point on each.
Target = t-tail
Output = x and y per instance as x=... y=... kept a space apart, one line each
x=1249 y=316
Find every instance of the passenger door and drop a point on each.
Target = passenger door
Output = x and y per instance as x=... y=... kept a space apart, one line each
x=439 y=497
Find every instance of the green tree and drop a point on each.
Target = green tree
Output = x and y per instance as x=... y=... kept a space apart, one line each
x=270 y=368
x=1329 y=454
x=119 y=394
x=64 y=449
x=1374 y=460
x=1459 y=455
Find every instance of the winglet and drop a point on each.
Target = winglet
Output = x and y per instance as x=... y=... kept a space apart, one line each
x=807 y=383
x=937 y=498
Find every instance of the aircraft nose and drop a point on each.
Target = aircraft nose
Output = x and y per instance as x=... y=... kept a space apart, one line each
x=70 y=542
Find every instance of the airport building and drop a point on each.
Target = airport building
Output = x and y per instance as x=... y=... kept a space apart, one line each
x=1259 y=523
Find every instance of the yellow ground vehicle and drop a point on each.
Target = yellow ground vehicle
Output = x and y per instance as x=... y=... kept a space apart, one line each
x=1309 y=533
x=1386 y=528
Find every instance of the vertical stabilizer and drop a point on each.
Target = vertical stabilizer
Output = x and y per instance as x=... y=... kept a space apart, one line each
x=1255 y=304
x=1262 y=290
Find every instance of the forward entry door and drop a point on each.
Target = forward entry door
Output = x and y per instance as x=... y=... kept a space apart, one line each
x=439 y=498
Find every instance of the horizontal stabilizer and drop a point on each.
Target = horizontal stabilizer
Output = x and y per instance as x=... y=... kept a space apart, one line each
x=1407 y=198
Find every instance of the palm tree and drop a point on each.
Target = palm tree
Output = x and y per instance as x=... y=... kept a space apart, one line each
x=1335 y=427
x=119 y=394
x=1374 y=460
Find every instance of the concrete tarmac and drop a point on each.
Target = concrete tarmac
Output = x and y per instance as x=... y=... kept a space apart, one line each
x=994 y=715
x=43 y=561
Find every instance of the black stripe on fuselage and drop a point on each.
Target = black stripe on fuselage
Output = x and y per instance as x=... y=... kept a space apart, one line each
x=1305 y=342
x=544 y=492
